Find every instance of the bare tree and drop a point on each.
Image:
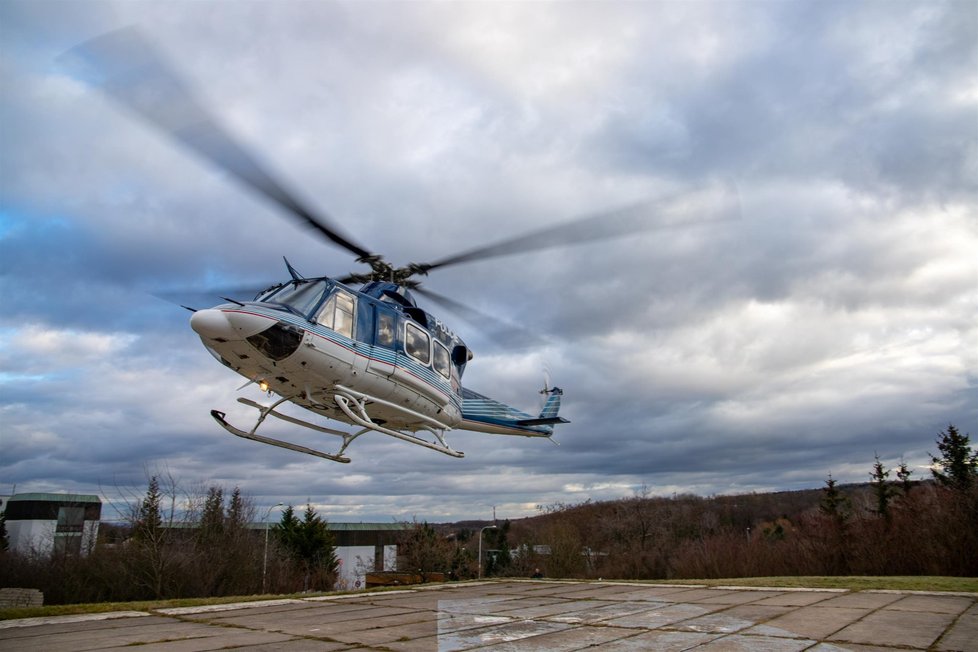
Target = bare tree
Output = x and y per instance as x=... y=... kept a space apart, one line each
x=424 y=551
x=153 y=553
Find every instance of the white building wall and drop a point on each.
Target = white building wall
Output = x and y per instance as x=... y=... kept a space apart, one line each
x=32 y=522
x=37 y=537
x=390 y=558
x=355 y=563
x=89 y=536
x=28 y=537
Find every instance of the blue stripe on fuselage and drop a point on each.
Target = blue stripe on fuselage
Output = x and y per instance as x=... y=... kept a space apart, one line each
x=380 y=354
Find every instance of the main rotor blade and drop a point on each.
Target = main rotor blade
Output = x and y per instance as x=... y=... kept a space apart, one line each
x=208 y=296
x=714 y=204
x=128 y=69
x=501 y=331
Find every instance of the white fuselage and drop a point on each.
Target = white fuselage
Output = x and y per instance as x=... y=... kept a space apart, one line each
x=325 y=360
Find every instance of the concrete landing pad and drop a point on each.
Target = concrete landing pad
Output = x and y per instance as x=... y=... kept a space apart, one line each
x=532 y=615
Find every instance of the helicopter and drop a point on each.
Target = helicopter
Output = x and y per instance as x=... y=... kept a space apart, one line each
x=370 y=356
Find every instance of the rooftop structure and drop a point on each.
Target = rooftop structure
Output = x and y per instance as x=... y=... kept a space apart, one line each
x=46 y=523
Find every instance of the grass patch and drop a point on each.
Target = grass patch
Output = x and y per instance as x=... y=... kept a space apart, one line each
x=152 y=605
x=146 y=605
x=852 y=583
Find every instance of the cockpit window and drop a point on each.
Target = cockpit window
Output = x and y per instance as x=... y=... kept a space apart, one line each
x=267 y=294
x=337 y=313
x=441 y=359
x=417 y=344
x=302 y=297
x=385 y=329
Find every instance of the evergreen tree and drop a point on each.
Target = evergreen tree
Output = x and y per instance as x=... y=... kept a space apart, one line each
x=903 y=474
x=4 y=542
x=310 y=543
x=317 y=543
x=212 y=517
x=152 y=554
x=224 y=554
x=836 y=507
x=500 y=557
x=834 y=503
x=883 y=490
x=236 y=517
x=286 y=531
x=958 y=464
x=149 y=518
x=239 y=553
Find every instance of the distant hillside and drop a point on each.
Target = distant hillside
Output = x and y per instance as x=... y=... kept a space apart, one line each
x=923 y=529
x=745 y=510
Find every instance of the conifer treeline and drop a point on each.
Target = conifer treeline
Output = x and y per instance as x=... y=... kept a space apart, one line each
x=887 y=527
x=181 y=545
x=891 y=527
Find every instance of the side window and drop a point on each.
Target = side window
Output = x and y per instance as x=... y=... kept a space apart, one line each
x=417 y=343
x=337 y=313
x=343 y=317
x=442 y=364
x=326 y=314
x=385 y=329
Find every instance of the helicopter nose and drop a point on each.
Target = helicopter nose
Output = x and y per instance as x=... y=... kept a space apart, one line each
x=217 y=324
x=211 y=323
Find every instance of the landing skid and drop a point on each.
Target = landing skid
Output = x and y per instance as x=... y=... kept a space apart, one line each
x=355 y=406
x=219 y=417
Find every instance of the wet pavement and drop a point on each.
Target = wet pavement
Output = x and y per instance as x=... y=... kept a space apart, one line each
x=533 y=615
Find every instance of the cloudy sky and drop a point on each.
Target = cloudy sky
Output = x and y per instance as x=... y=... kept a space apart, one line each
x=831 y=317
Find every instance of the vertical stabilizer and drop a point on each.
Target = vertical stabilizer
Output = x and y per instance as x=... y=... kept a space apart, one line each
x=548 y=415
x=552 y=406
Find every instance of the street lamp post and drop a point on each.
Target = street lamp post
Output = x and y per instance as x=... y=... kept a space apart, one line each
x=264 y=565
x=488 y=527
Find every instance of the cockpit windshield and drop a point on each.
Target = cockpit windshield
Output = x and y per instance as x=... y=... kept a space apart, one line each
x=266 y=295
x=300 y=296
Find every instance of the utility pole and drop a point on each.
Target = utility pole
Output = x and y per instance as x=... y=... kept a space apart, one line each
x=488 y=527
x=264 y=565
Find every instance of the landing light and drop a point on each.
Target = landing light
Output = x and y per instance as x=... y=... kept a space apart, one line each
x=263 y=386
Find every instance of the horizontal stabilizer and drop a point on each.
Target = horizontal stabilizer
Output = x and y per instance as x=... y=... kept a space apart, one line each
x=545 y=421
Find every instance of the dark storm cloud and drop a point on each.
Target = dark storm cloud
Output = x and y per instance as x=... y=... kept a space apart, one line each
x=832 y=319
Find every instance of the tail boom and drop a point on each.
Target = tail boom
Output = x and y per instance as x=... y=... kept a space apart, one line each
x=483 y=414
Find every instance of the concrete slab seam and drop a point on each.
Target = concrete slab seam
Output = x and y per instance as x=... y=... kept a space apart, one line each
x=216 y=623
x=355 y=596
x=780 y=589
x=947 y=630
x=230 y=606
x=869 y=612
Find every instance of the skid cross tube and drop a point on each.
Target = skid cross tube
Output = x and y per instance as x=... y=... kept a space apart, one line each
x=345 y=398
x=361 y=397
x=354 y=405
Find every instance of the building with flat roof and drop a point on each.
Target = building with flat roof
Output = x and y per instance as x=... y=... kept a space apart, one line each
x=364 y=548
x=361 y=548
x=45 y=523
